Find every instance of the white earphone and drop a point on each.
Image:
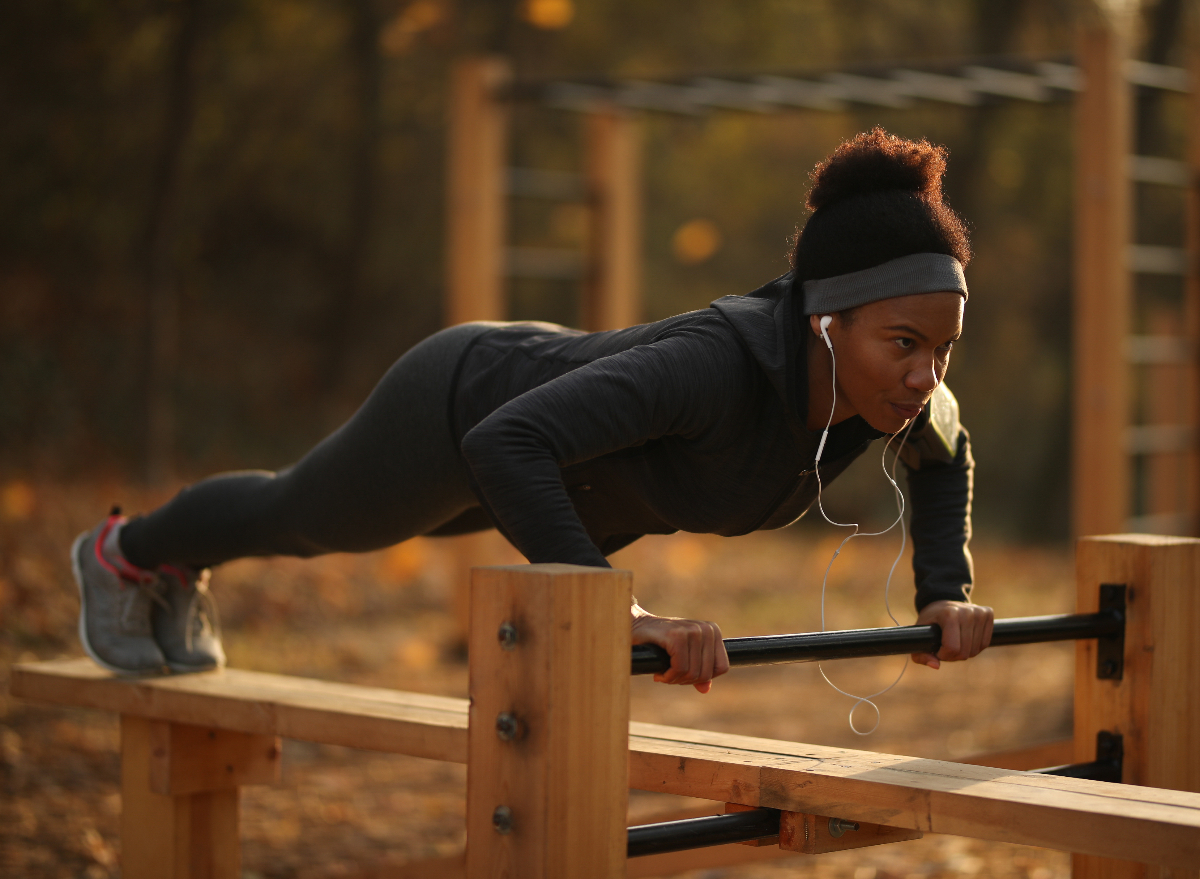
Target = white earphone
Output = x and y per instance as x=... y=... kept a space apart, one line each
x=826 y=320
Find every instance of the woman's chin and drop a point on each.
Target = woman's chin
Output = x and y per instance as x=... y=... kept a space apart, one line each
x=888 y=422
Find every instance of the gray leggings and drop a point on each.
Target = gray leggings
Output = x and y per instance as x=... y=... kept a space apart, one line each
x=391 y=472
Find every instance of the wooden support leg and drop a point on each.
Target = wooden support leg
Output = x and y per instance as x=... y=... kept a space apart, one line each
x=179 y=797
x=1153 y=705
x=548 y=776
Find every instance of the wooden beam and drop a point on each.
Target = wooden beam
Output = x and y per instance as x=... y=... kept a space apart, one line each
x=373 y=718
x=1101 y=300
x=612 y=292
x=932 y=796
x=549 y=722
x=1153 y=706
x=1116 y=821
x=186 y=759
x=475 y=215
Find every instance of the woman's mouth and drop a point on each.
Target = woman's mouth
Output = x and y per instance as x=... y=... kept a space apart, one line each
x=907 y=412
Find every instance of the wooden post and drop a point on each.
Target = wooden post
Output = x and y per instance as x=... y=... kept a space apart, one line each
x=1153 y=706
x=476 y=191
x=1191 y=293
x=475 y=238
x=1103 y=134
x=179 y=797
x=548 y=774
x=611 y=294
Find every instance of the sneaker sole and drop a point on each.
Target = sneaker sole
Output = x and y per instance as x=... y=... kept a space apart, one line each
x=83 y=637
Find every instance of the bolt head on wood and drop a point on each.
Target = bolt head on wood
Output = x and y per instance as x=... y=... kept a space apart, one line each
x=502 y=820
x=507 y=636
x=507 y=726
x=839 y=826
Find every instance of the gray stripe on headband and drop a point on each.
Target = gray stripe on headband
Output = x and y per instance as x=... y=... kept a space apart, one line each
x=916 y=273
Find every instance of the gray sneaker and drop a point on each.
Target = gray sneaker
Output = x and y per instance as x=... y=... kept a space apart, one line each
x=185 y=624
x=114 y=603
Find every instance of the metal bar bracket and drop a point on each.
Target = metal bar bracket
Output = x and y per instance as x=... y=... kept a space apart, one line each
x=1110 y=649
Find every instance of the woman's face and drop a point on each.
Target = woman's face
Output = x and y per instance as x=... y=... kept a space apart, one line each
x=892 y=354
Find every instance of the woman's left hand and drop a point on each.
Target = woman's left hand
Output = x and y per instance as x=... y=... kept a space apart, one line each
x=966 y=630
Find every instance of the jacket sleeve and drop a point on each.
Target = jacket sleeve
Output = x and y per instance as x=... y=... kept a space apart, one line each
x=677 y=385
x=941 y=484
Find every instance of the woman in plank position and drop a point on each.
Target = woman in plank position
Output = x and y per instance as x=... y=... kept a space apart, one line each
x=576 y=444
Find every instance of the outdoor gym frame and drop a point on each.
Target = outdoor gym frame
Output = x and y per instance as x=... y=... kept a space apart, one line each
x=551 y=753
x=1107 y=349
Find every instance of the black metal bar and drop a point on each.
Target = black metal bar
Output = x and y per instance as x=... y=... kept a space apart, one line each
x=676 y=836
x=896 y=641
x=1110 y=756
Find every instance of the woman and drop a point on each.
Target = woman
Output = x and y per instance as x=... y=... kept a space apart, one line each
x=575 y=444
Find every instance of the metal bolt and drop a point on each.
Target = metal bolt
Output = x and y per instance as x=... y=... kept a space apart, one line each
x=507 y=636
x=507 y=726
x=838 y=826
x=1110 y=667
x=502 y=820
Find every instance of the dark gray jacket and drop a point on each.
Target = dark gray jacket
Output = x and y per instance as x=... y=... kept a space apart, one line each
x=579 y=443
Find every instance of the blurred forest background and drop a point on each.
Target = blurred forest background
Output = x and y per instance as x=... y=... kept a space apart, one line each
x=279 y=164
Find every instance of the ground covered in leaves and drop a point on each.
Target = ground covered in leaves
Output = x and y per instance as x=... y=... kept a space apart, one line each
x=381 y=619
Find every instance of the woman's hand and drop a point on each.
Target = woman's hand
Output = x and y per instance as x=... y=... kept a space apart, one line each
x=697 y=651
x=966 y=630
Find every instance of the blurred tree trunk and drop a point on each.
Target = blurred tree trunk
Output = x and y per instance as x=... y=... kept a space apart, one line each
x=158 y=257
x=348 y=292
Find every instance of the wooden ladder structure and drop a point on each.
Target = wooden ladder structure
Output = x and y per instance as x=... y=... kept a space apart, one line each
x=1132 y=470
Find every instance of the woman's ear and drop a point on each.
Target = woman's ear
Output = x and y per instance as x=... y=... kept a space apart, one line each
x=814 y=323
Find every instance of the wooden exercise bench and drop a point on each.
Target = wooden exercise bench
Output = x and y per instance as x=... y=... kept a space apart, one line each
x=552 y=753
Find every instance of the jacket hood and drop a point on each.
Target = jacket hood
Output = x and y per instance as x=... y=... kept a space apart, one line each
x=766 y=322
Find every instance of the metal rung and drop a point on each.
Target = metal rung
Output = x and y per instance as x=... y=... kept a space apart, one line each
x=935 y=87
x=1159 y=350
x=550 y=185
x=1158 y=76
x=1177 y=524
x=1006 y=83
x=1151 y=439
x=1153 y=259
x=788 y=92
x=544 y=263
x=1152 y=169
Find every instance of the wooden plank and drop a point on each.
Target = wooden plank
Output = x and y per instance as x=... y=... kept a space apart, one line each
x=1102 y=290
x=373 y=718
x=1153 y=706
x=612 y=293
x=565 y=681
x=932 y=796
x=186 y=759
x=927 y=795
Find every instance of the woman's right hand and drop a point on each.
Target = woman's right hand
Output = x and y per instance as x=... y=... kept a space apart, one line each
x=696 y=648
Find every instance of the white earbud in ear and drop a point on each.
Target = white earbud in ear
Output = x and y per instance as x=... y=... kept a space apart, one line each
x=826 y=320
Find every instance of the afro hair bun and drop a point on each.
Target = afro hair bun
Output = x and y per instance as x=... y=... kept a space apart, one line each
x=874 y=161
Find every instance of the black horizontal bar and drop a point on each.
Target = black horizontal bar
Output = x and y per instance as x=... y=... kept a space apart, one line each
x=895 y=641
x=675 y=836
x=1097 y=770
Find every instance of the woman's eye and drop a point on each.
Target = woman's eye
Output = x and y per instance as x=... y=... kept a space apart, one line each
x=947 y=348
x=905 y=343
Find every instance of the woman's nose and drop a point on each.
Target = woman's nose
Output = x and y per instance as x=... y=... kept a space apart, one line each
x=925 y=378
